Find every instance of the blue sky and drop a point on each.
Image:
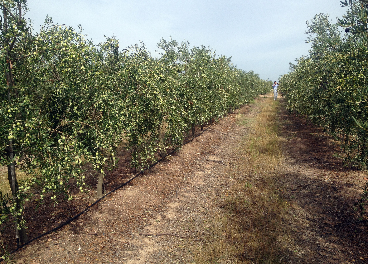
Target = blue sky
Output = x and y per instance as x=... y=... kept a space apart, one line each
x=259 y=35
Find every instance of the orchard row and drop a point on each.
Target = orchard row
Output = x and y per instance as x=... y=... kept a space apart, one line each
x=330 y=85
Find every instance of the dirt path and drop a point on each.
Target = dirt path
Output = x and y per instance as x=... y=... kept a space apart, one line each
x=168 y=214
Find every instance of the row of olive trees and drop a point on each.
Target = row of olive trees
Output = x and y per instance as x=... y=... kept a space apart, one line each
x=330 y=85
x=65 y=103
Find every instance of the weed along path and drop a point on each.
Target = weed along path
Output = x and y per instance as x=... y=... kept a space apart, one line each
x=259 y=186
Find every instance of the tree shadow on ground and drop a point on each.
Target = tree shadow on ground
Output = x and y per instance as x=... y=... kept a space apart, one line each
x=323 y=193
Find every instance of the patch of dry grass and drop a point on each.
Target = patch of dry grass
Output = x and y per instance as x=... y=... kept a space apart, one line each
x=249 y=228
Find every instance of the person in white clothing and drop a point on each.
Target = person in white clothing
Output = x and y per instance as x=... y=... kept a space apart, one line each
x=274 y=86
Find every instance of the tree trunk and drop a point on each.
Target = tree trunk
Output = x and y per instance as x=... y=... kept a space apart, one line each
x=100 y=185
x=20 y=233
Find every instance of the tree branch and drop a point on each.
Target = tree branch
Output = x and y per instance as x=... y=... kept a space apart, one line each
x=1 y=4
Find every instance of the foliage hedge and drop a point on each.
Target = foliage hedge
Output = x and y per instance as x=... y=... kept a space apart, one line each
x=330 y=85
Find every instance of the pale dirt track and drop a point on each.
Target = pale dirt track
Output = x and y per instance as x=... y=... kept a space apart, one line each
x=162 y=216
